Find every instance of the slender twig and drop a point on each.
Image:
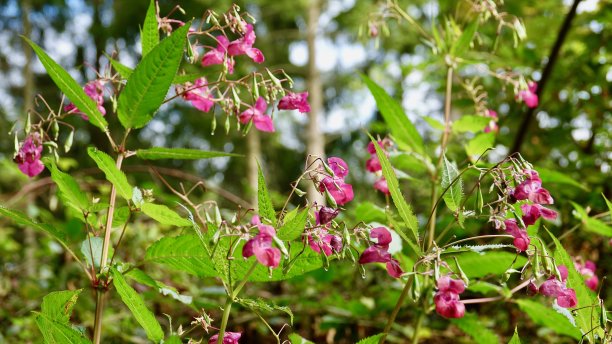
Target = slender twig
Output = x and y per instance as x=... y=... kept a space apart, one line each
x=121 y=237
x=230 y=300
x=396 y=309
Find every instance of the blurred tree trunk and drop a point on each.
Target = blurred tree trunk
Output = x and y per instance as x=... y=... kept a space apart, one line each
x=253 y=156
x=316 y=140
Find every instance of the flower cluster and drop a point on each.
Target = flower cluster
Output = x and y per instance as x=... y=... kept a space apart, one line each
x=261 y=245
x=95 y=90
x=257 y=114
x=378 y=252
x=334 y=185
x=587 y=270
x=446 y=298
x=529 y=96
x=225 y=51
x=295 y=101
x=373 y=165
x=199 y=95
x=319 y=238
x=228 y=338
x=29 y=154
x=553 y=287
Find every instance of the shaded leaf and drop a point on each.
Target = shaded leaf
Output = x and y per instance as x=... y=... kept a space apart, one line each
x=95 y=246
x=591 y=224
x=293 y=228
x=544 y=315
x=157 y=153
x=372 y=339
x=71 y=193
x=515 y=338
x=22 y=219
x=262 y=305
x=556 y=177
x=55 y=332
x=264 y=202
x=57 y=305
x=479 y=145
x=497 y=262
x=183 y=253
x=472 y=326
x=463 y=42
x=451 y=180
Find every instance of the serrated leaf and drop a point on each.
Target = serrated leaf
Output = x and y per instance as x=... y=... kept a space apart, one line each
x=586 y=315
x=544 y=315
x=591 y=224
x=294 y=227
x=472 y=326
x=264 y=202
x=403 y=208
x=556 y=177
x=515 y=338
x=22 y=219
x=470 y=123
x=139 y=310
x=70 y=87
x=144 y=279
x=183 y=253
x=157 y=153
x=405 y=133
x=372 y=339
x=164 y=215
x=112 y=173
x=479 y=145
x=55 y=332
x=497 y=262
x=57 y=306
x=94 y=244
x=149 y=35
x=148 y=85
x=463 y=42
x=69 y=188
x=262 y=305
x=451 y=180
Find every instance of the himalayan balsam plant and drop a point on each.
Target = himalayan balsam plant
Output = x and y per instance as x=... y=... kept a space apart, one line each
x=437 y=272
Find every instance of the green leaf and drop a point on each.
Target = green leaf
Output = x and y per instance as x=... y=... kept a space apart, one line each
x=463 y=42
x=297 y=339
x=122 y=69
x=369 y=212
x=470 y=123
x=497 y=262
x=112 y=173
x=149 y=35
x=472 y=326
x=544 y=315
x=57 y=306
x=71 y=192
x=372 y=339
x=55 y=332
x=451 y=180
x=148 y=85
x=404 y=132
x=70 y=87
x=157 y=153
x=134 y=302
x=261 y=305
x=556 y=177
x=479 y=145
x=96 y=247
x=586 y=316
x=183 y=253
x=176 y=340
x=434 y=123
x=609 y=205
x=264 y=202
x=591 y=224
x=22 y=219
x=403 y=208
x=515 y=338
x=144 y=279
x=164 y=215
x=294 y=227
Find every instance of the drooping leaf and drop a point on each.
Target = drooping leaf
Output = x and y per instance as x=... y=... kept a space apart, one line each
x=591 y=224
x=55 y=332
x=293 y=228
x=515 y=338
x=22 y=219
x=57 y=305
x=544 y=315
x=112 y=173
x=144 y=279
x=463 y=42
x=265 y=306
x=404 y=132
x=264 y=202
x=472 y=326
x=69 y=188
x=497 y=262
x=157 y=153
x=403 y=208
x=451 y=180
x=556 y=177
x=586 y=316
x=149 y=35
x=183 y=253
x=148 y=85
x=372 y=339
x=70 y=87
x=93 y=248
x=470 y=123
x=135 y=303
x=479 y=145
x=164 y=215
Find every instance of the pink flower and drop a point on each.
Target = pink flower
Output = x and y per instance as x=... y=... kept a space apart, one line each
x=338 y=166
x=28 y=156
x=381 y=185
x=322 y=240
x=378 y=252
x=521 y=239
x=531 y=189
x=228 y=338
x=261 y=247
x=566 y=297
x=446 y=298
x=218 y=55
x=257 y=114
x=532 y=212
x=588 y=272
x=295 y=101
x=340 y=191
x=199 y=95
x=244 y=45
x=326 y=215
x=373 y=164
x=492 y=126
x=94 y=90
x=529 y=96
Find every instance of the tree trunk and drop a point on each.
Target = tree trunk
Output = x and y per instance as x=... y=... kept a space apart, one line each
x=316 y=139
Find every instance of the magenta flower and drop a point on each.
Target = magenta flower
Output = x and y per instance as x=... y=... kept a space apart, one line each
x=94 y=90
x=588 y=272
x=325 y=215
x=566 y=297
x=529 y=96
x=378 y=252
x=323 y=241
x=219 y=55
x=521 y=239
x=373 y=164
x=199 y=95
x=532 y=212
x=295 y=101
x=228 y=338
x=531 y=189
x=261 y=246
x=244 y=46
x=257 y=114
x=446 y=298
x=340 y=191
x=28 y=156
x=338 y=166
x=381 y=185
x=492 y=126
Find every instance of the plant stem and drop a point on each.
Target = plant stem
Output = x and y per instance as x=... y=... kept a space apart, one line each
x=398 y=305
x=98 y=320
x=230 y=300
x=417 y=328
